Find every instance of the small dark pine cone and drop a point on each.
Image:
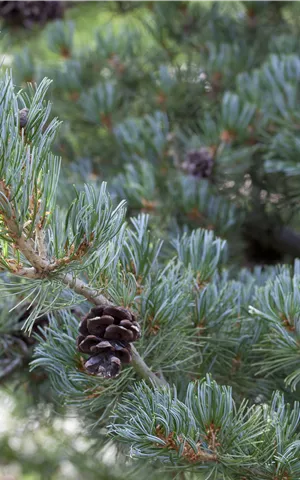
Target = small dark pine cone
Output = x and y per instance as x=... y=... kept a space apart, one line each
x=27 y=14
x=198 y=163
x=105 y=334
x=23 y=117
x=40 y=323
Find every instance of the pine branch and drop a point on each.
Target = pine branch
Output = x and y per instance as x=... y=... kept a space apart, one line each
x=81 y=288
x=90 y=221
x=207 y=430
x=25 y=245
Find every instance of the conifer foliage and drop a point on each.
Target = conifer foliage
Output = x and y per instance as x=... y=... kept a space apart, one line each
x=135 y=310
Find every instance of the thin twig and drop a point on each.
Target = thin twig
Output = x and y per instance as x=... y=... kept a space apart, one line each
x=11 y=367
x=91 y=294
x=22 y=345
x=143 y=370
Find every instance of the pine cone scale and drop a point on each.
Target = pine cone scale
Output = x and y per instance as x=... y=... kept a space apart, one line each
x=83 y=327
x=115 y=332
x=106 y=365
x=101 y=346
x=118 y=313
x=79 y=339
x=87 y=343
x=105 y=320
x=125 y=323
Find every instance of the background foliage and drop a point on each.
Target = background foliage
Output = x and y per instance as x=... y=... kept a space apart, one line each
x=190 y=111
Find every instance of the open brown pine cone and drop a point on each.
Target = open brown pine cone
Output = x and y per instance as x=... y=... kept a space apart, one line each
x=105 y=334
x=198 y=162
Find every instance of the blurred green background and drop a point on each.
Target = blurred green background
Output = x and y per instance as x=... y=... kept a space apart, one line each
x=44 y=443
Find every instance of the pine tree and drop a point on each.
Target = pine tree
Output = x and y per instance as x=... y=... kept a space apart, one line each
x=137 y=315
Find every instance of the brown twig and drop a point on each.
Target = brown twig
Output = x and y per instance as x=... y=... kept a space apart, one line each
x=41 y=244
x=11 y=367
